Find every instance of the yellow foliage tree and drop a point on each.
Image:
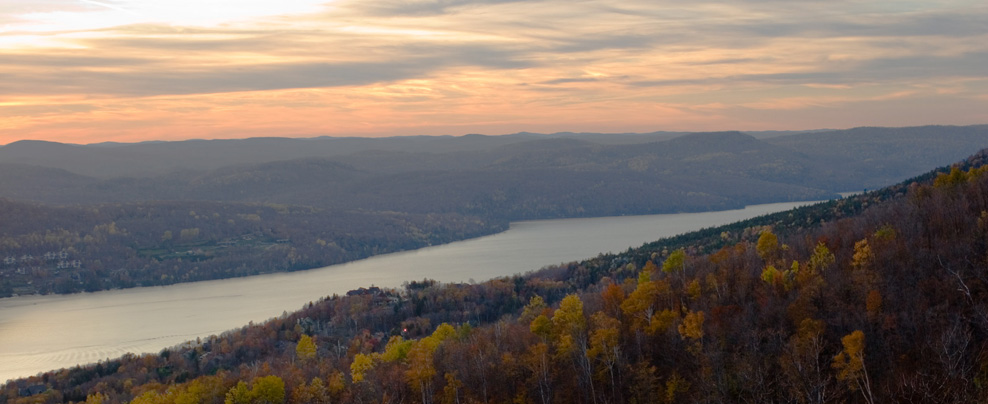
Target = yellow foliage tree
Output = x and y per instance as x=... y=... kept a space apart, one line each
x=568 y=322
x=306 y=349
x=767 y=246
x=451 y=393
x=396 y=349
x=421 y=368
x=674 y=386
x=98 y=398
x=361 y=364
x=542 y=327
x=533 y=309
x=771 y=275
x=268 y=390
x=639 y=306
x=239 y=394
x=821 y=259
x=692 y=326
x=676 y=262
x=661 y=321
x=850 y=364
x=605 y=344
x=862 y=255
x=336 y=384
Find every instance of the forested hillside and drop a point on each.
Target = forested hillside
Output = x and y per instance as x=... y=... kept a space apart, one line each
x=47 y=249
x=876 y=298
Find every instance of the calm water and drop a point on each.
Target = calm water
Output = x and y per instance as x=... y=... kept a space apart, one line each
x=39 y=333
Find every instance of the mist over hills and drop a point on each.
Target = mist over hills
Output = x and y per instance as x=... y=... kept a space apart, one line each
x=516 y=176
x=328 y=200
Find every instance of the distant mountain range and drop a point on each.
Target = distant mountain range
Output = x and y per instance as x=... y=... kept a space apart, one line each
x=519 y=176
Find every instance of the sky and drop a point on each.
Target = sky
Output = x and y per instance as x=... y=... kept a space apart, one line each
x=88 y=71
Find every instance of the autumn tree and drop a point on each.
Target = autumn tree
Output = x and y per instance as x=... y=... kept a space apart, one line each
x=691 y=329
x=604 y=345
x=314 y=392
x=533 y=309
x=767 y=246
x=822 y=259
x=305 y=350
x=421 y=367
x=239 y=394
x=641 y=306
x=396 y=349
x=675 y=262
x=613 y=295
x=569 y=326
x=850 y=365
x=537 y=362
x=359 y=367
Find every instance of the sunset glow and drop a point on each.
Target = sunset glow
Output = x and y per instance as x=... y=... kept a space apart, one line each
x=85 y=71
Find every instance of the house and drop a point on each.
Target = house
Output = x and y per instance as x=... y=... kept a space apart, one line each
x=373 y=290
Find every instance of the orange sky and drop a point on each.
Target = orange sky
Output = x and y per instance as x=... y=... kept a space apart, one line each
x=85 y=71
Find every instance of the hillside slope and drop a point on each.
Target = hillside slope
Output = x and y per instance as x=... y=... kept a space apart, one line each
x=875 y=298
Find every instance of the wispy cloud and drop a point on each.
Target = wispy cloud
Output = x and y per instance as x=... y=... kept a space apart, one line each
x=440 y=66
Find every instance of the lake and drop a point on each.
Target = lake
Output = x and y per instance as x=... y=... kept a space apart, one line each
x=40 y=333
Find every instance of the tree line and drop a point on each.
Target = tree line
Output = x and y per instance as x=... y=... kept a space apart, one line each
x=46 y=249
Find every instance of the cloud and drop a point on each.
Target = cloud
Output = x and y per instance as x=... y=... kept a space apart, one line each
x=503 y=62
x=148 y=77
x=419 y=8
x=570 y=80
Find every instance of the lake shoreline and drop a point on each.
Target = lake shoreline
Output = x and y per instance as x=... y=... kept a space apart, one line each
x=43 y=332
x=504 y=229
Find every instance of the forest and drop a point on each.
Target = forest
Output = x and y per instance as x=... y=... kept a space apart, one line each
x=45 y=249
x=880 y=297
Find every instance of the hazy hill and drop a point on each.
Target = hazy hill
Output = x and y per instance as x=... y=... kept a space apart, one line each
x=544 y=178
x=889 y=154
x=513 y=177
x=157 y=158
x=932 y=144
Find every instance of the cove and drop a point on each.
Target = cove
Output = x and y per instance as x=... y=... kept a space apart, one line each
x=40 y=333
